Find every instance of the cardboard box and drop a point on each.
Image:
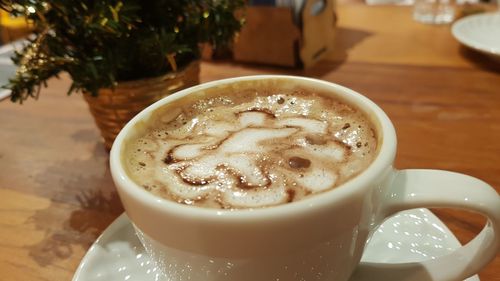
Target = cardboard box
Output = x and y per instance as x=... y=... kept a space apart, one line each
x=280 y=36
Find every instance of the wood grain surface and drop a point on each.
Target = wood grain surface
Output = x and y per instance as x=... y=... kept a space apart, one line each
x=57 y=196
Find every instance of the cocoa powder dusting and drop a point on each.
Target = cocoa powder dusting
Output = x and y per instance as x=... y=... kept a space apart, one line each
x=298 y=162
x=291 y=195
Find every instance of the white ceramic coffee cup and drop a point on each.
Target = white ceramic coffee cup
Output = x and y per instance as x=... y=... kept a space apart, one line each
x=321 y=237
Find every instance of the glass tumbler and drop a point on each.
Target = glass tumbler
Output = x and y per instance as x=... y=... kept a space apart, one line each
x=434 y=11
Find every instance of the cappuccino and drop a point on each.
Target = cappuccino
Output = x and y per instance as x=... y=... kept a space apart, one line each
x=250 y=146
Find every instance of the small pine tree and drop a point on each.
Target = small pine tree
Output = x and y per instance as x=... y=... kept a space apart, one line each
x=101 y=42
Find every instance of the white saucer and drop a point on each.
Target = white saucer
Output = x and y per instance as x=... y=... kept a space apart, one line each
x=414 y=235
x=480 y=32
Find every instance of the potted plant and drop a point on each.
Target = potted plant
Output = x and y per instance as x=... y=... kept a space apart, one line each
x=121 y=54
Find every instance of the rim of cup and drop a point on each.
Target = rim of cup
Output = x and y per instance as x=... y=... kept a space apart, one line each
x=386 y=146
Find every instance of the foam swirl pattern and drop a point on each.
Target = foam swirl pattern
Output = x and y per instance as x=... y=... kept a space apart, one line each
x=251 y=149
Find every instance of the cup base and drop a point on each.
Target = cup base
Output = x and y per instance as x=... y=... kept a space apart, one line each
x=118 y=252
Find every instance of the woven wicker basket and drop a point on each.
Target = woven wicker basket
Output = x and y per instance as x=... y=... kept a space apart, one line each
x=112 y=109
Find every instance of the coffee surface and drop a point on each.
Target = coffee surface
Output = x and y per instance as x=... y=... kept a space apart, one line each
x=250 y=148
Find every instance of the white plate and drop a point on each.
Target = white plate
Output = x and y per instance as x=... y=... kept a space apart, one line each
x=415 y=235
x=7 y=67
x=480 y=32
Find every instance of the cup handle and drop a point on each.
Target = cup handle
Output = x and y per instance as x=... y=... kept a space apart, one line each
x=433 y=188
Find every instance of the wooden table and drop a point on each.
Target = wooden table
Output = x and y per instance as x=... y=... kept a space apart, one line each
x=56 y=193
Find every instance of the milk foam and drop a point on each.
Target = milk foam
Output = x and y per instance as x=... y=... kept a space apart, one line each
x=251 y=149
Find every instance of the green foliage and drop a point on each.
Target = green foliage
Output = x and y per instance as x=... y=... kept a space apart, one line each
x=100 y=42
